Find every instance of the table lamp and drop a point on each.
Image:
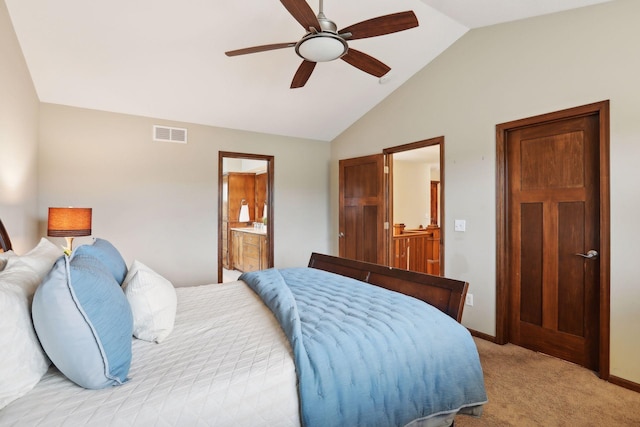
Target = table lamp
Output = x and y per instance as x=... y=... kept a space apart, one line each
x=69 y=223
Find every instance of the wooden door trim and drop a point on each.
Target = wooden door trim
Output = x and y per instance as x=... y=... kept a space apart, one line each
x=388 y=209
x=270 y=198
x=388 y=152
x=601 y=109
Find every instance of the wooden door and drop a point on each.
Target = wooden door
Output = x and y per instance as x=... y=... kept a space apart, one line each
x=362 y=209
x=553 y=216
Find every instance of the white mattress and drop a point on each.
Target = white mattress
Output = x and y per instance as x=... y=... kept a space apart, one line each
x=226 y=363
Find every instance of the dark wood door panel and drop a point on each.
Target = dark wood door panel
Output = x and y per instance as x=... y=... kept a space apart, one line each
x=571 y=268
x=350 y=214
x=557 y=344
x=358 y=182
x=361 y=210
x=531 y=263
x=552 y=216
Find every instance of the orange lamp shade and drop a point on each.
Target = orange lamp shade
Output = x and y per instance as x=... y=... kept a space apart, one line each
x=69 y=222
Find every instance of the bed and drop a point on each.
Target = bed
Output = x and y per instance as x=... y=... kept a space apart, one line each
x=242 y=353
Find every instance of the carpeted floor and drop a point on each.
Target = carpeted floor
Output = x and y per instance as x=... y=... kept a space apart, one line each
x=526 y=388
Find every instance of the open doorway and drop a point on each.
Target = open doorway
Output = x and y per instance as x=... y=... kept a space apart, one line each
x=366 y=230
x=245 y=214
x=416 y=206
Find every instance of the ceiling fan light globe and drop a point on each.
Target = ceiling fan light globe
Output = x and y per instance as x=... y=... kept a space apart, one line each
x=321 y=47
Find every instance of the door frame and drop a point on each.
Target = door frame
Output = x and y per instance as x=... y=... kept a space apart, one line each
x=270 y=198
x=601 y=109
x=388 y=152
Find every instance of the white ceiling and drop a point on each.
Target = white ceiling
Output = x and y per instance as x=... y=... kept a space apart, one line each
x=165 y=59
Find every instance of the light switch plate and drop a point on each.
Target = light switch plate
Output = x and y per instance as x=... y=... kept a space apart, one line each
x=459 y=225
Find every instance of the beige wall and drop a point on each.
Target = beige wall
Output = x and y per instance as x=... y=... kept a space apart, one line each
x=411 y=186
x=18 y=140
x=507 y=72
x=157 y=201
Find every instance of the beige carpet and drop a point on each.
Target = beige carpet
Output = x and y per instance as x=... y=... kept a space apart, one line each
x=526 y=388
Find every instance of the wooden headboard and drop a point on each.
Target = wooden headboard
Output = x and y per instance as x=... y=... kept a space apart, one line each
x=447 y=295
x=5 y=242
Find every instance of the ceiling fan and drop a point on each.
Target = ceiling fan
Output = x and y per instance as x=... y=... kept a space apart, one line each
x=323 y=42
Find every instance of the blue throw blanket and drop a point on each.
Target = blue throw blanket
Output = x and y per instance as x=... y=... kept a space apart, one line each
x=367 y=356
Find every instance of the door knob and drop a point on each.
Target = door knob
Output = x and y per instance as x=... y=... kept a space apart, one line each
x=341 y=234
x=591 y=254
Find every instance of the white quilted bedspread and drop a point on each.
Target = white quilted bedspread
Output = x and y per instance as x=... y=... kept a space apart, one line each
x=226 y=363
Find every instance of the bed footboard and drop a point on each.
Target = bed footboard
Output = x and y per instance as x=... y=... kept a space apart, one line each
x=445 y=294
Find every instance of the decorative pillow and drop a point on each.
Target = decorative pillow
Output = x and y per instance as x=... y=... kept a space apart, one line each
x=153 y=302
x=106 y=253
x=4 y=257
x=22 y=360
x=84 y=322
x=24 y=365
x=40 y=258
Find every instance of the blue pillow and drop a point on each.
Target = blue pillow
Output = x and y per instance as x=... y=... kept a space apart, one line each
x=107 y=254
x=84 y=322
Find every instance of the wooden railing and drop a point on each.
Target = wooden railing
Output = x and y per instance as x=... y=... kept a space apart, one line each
x=418 y=250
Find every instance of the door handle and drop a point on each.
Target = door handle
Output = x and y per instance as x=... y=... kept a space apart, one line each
x=341 y=234
x=591 y=254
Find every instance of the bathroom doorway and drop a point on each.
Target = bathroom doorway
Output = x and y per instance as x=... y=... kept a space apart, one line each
x=245 y=213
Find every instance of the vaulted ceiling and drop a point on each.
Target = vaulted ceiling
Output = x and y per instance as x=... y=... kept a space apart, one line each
x=165 y=59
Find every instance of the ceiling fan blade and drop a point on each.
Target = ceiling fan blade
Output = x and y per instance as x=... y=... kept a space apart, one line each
x=256 y=49
x=381 y=25
x=302 y=13
x=366 y=63
x=302 y=75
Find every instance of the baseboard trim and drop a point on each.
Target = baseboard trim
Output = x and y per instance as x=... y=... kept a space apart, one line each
x=482 y=335
x=624 y=383
x=621 y=382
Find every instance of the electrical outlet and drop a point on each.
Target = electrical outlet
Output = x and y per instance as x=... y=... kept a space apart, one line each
x=469 y=300
x=459 y=225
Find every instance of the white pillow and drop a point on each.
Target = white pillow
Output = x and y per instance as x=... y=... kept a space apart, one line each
x=153 y=302
x=4 y=257
x=24 y=365
x=22 y=360
x=41 y=258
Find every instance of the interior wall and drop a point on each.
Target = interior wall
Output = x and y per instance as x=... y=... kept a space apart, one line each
x=232 y=164
x=411 y=193
x=253 y=165
x=158 y=202
x=506 y=72
x=18 y=140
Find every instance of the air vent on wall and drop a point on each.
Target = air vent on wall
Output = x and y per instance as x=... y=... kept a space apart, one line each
x=169 y=134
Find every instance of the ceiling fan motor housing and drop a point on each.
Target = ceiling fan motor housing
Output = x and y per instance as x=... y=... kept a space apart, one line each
x=323 y=46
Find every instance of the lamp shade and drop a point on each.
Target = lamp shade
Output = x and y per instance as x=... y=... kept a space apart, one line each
x=69 y=222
